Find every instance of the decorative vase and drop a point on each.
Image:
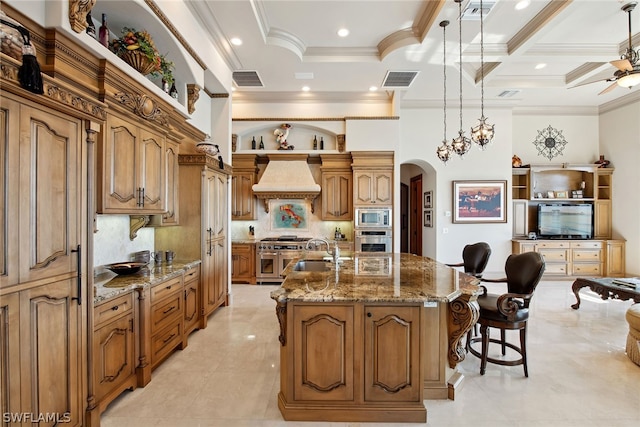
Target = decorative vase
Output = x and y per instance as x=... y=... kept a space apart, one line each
x=139 y=61
x=602 y=162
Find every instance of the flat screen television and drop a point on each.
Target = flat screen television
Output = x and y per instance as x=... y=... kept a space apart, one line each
x=564 y=221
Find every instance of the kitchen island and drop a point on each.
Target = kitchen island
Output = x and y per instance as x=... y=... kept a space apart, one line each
x=362 y=340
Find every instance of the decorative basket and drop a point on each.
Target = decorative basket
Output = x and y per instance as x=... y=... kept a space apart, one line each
x=10 y=39
x=139 y=61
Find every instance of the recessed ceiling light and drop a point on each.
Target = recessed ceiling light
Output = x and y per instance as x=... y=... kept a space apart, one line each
x=343 y=32
x=236 y=41
x=523 y=4
x=541 y=66
x=306 y=88
x=373 y=88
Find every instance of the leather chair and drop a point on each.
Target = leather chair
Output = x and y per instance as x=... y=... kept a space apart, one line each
x=509 y=311
x=474 y=258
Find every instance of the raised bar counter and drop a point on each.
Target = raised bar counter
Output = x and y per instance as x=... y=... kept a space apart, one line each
x=371 y=337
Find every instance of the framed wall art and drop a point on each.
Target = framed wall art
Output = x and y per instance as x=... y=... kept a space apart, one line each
x=428 y=203
x=479 y=201
x=289 y=215
x=428 y=218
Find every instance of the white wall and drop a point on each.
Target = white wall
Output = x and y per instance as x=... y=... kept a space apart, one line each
x=112 y=243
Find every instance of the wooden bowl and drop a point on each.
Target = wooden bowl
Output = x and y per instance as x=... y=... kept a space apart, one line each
x=124 y=268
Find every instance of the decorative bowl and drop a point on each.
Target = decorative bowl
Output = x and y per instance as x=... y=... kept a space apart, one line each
x=124 y=268
x=207 y=148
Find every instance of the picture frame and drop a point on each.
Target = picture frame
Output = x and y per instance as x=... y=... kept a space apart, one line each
x=428 y=202
x=479 y=201
x=551 y=195
x=428 y=218
x=289 y=215
x=561 y=195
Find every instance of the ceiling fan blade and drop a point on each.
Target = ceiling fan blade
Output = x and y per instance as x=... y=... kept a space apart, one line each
x=608 y=79
x=609 y=88
x=622 y=64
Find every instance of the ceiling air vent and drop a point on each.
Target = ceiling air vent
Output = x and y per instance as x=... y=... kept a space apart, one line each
x=472 y=11
x=247 y=79
x=399 y=79
x=509 y=93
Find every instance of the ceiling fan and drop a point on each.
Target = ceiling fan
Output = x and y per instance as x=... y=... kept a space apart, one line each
x=628 y=73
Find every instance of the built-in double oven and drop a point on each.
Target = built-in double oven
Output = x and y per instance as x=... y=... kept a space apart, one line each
x=373 y=229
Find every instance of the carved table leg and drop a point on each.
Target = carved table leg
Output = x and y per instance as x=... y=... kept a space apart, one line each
x=577 y=285
x=463 y=313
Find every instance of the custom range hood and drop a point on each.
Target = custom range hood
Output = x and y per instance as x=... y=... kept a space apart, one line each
x=287 y=176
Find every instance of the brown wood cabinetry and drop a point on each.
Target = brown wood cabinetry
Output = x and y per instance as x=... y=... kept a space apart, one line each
x=372 y=178
x=171 y=176
x=131 y=168
x=243 y=263
x=114 y=358
x=337 y=188
x=41 y=165
x=352 y=361
x=243 y=202
x=192 y=291
x=166 y=319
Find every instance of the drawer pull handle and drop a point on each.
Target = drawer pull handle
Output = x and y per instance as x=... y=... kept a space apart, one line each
x=115 y=307
x=169 y=310
x=168 y=287
x=169 y=338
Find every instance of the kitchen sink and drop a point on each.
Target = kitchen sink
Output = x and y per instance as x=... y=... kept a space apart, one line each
x=311 y=265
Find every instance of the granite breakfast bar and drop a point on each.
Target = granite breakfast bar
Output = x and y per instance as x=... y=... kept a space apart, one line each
x=371 y=337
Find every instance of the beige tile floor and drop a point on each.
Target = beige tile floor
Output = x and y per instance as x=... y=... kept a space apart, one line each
x=579 y=374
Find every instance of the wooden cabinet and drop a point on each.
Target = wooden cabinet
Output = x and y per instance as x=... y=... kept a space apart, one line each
x=575 y=258
x=372 y=177
x=114 y=358
x=166 y=319
x=245 y=172
x=191 y=300
x=337 y=187
x=131 y=168
x=243 y=263
x=171 y=176
x=602 y=226
x=520 y=218
x=43 y=356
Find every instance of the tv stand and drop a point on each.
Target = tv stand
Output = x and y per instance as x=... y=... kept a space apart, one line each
x=571 y=258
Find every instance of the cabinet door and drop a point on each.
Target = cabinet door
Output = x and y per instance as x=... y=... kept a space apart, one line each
x=323 y=352
x=191 y=301
x=242 y=200
x=383 y=189
x=170 y=217
x=392 y=364
x=215 y=205
x=118 y=170
x=363 y=188
x=373 y=187
x=337 y=196
x=50 y=188
x=52 y=369
x=114 y=355
x=151 y=171
x=220 y=261
x=10 y=354
x=242 y=261
x=520 y=218
x=9 y=191
x=602 y=219
x=615 y=262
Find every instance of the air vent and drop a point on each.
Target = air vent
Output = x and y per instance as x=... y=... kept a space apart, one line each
x=399 y=79
x=247 y=79
x=472 y=11
x=508 y=93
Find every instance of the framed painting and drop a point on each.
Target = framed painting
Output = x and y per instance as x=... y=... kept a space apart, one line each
x=479 y=201
x=428 y=203
x=289 y=215
x=428 y=218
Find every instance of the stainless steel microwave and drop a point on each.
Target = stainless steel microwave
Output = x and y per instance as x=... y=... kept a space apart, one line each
x=373 y=217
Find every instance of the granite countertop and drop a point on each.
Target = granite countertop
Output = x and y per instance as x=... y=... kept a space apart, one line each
x=245 y=241
x=388 y=277
x=109 y=285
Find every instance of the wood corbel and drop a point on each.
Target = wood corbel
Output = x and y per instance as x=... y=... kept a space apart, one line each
x=462 y=314
x=136 y=222
x=78 y=10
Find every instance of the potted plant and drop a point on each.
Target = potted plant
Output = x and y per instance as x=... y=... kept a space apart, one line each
x=137 y=49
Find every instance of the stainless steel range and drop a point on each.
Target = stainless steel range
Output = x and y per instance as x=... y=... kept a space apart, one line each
x=274 y=253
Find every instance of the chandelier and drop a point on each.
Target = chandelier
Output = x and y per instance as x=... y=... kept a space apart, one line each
x=444 y=151
x=483 y=133
x=461 y=144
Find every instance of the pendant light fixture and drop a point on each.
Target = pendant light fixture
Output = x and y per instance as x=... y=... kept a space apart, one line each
x=444 y=151
x=461 y=144
x=483 y=133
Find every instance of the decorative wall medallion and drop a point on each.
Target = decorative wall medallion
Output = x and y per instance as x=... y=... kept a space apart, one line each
x=143 y=106
x=550 y=142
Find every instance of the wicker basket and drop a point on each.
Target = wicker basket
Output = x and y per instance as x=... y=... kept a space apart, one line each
x=139 y=61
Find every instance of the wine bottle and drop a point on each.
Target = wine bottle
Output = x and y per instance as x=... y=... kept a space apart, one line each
x=253 y=143
x=321 y=143
x=91 y=28
x=315 y=142
x=103 y=32
x=261 y=144
x=173 y=92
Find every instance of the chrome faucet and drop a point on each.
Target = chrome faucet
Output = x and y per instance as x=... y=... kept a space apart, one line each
x=335 y=254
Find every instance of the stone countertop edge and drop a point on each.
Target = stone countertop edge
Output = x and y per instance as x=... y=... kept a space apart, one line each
x=411 y=279
x=109 y=285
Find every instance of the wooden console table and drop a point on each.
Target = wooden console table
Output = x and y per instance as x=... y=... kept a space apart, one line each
x=605 y=288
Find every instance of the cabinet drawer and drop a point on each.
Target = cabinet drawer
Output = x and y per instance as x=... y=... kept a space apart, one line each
x=113 y=309
x=587 y=255
x=554 y=255
x=586 y=245
x=553 y=245
x=192 y=274
x=587 y=269
x=166 y=311
x=165 y=289
x=165 y=341
x=556 y=269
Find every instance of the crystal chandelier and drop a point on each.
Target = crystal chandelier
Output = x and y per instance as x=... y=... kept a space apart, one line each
x=483 y=133
x=461 y=144
x=444 y=151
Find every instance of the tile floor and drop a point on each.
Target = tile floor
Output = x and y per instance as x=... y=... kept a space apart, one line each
x=579 y=374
